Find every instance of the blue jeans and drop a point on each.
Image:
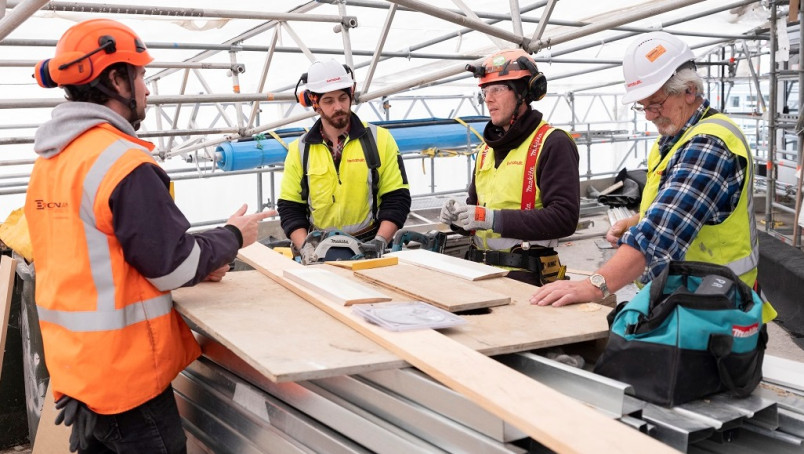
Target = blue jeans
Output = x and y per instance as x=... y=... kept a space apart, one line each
x=153 y=427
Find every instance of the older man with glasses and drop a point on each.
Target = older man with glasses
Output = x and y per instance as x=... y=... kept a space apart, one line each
x=524 y=194
x=697 y=203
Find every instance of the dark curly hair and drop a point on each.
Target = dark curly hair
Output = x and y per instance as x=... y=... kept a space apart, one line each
x=89 y=92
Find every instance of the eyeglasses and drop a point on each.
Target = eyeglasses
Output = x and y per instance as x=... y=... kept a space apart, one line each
x=652 y=108
x=493 y=90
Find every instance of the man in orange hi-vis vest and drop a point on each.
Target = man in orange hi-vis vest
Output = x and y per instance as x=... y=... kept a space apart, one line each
x=109 y=244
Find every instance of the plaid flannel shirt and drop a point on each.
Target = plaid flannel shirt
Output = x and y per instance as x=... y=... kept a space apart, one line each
x=701 y=185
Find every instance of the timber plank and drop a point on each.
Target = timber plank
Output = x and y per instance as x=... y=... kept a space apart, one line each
x=334 y=287
x=50 y=438
x=7 y=270
x=442 y=290
x=448 y=264
x=544 y=414
x=364 y=264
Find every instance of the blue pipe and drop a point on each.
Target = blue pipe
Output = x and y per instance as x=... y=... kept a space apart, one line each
x=410 y=136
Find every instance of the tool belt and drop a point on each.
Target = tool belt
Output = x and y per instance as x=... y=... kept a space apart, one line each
x=541 y=261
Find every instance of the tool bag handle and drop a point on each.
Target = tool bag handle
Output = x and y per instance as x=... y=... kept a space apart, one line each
x=720 y=347
x=661 y=305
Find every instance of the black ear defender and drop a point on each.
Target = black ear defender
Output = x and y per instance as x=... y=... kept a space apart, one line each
x=537 y=84
x=354 y=81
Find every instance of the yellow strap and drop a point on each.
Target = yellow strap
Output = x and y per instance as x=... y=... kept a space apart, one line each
x=278 y=139
x=474 y=131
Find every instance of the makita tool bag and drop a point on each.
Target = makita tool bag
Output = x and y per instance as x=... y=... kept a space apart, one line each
x=695 y=330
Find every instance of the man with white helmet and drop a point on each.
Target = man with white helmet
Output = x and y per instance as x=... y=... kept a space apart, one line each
x=697 y=202
x=342 y=173
x=524 y=194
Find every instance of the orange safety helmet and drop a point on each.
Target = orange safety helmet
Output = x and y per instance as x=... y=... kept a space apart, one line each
x=86 y=49
x=511 y=64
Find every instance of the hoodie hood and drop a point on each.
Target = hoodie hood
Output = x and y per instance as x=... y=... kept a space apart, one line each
x=71 y=119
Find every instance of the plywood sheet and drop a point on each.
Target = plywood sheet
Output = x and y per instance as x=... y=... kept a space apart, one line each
x=344 y=291
x=50 y=438
x=7 y=269
x=442 y=290
x=448 y=264
x=539 y=411
x=287 y=339
x=276 y=332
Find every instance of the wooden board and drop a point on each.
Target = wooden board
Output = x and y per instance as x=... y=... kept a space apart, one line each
x=442 y=290
x=542 y=413
x=276 y=332
x=334 y=287
x=50 y=438
x=365 y=264
x=7 y=270
x=448 y=264
x=287 y=339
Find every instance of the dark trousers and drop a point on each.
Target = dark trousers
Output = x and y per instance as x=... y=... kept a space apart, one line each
x=154 y=428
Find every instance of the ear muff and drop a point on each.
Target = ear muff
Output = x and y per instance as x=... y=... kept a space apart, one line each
x=304 y=97
x=42 y=74
x=354 y=82
x=537 y=83
x=70 y=68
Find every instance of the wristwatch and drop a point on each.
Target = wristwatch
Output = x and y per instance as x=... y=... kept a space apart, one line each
x=600 y=282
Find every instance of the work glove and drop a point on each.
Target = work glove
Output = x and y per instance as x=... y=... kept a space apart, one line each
x=473 y=217
x=449 y=211
x=75 y=413
x=307 y=254
x=374 y=248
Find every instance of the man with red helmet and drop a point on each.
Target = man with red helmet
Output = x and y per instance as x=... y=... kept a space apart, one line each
x=525 y=192
x=109 y=244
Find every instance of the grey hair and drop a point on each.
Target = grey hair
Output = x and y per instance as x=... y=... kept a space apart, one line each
x=681 y=80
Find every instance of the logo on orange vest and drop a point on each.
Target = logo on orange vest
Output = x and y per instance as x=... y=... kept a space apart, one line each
x=43 y=205
x=744 y=331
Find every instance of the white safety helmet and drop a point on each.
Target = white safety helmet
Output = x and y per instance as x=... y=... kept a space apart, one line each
x=650 y=61
x=326 y=76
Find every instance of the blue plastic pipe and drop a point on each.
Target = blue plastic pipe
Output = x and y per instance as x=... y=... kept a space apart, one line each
x=410 y=136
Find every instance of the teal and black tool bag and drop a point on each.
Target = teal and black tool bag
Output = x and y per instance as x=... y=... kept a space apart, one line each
x=694 y=331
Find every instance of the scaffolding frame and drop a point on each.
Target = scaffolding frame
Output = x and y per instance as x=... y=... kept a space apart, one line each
x=237 y=114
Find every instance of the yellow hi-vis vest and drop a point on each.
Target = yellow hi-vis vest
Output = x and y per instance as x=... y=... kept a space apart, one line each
x=502 y=188
x=734 y=242
x=111 y=337
x=342 y=198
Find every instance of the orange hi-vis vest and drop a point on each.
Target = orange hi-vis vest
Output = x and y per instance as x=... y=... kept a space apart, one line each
x=111 y=338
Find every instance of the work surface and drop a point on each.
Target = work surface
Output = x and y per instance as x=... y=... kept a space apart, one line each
x=287 y=339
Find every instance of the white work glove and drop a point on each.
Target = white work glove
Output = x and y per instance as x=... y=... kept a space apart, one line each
x=473 y=217
x=307 y=254
x=449 y=211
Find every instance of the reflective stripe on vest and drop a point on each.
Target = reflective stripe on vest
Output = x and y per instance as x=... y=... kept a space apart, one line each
x=354 y=228
x=745 y=264
x=509 y=196
x=106 y=316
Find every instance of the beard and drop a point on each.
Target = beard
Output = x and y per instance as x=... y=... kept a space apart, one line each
x=337 y=120
x=665 y=126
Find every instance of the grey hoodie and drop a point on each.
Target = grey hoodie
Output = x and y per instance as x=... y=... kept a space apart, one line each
x=71 y=119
